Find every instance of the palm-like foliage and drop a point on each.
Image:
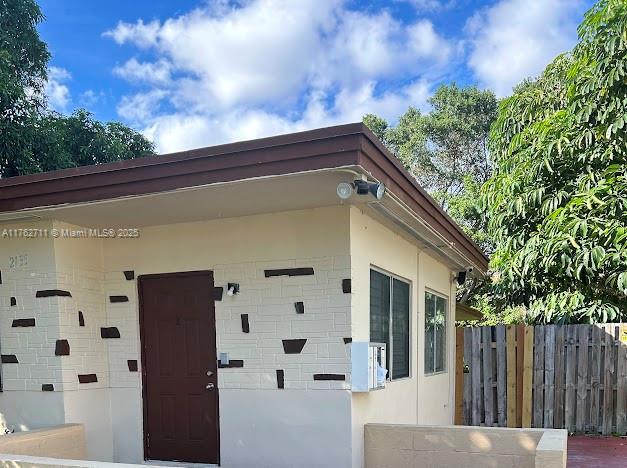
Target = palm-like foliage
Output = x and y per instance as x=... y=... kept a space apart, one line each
x=557 y=201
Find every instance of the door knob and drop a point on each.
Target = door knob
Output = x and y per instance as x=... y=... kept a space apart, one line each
x=210 y=386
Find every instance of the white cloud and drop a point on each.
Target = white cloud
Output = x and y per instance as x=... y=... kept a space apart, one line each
x=90 y=98
x=141 y=34
x=431 y=5
x=180 y=130
x=57 y=92
x=229 y=71
x=156 y=72
x=425 y=41
x=515 y=39
x=141 y=107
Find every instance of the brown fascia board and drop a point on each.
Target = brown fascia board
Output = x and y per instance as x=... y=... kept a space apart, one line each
x=324 y=148
x=378 y=161
x=285 y=154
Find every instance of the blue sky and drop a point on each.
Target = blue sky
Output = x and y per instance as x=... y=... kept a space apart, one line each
x=196 y=73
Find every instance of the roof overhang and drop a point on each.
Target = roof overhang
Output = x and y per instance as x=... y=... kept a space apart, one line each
x=341 y=149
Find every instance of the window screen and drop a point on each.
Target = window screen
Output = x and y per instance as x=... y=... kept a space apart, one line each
x=435 y=333
x=380 y=310
x=389 y=320
x=400 y=329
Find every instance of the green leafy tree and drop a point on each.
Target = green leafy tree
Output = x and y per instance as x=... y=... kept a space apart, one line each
x=32 y=138
x=446 y=150
x=557 y=201
x=23 y=64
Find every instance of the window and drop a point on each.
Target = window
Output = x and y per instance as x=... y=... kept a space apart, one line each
x=389 y=320
x=435 y=333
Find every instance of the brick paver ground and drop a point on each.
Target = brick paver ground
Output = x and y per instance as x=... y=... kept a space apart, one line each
x=592 y=451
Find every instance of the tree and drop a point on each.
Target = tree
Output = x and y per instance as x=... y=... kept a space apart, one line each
x=23 y=65
x=79 y=140
x=446 y=150
x=557 y=202
x=33 y=138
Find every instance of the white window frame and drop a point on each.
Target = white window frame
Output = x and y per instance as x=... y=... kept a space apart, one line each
x=446 y=331
x=390 y=350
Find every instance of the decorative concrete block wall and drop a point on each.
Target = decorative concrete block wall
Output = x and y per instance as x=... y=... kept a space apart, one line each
x=29 y=325
x=281 y=310
x=267 y=306
x=123 y=317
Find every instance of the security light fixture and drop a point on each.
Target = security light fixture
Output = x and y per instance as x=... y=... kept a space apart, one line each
x=344 y=190
x=363 y=187
x=232 y=289
x=461 y=277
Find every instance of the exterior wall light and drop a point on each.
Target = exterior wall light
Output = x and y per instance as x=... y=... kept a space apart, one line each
x=363 y=187
x=344 y=190
x=461 y=277
x=232 y=289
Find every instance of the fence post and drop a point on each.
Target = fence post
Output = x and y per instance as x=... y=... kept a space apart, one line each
x=520 y=364
x=558 y=416
x=475 y=372
x=459 y=374
x=621 y=383
x=538 y=376
x=608 y=381
x=488 y=392
x=511 y=376
x=582 y=378
x=527 y=389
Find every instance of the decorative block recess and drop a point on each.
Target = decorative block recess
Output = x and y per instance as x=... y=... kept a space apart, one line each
x=132 y=365
x=346 y=286
x=87 y=378
x=245 y=324
x=289 y=272
x=329 y=377
x=232 y=364
x=81 y=319
x=294 y=346
x=9 y=359
x=47 y=387
x=217 y=293
x=62 y=348
x=114 y=299
x=53 y=293
x=29 y=322
x=300 y=307
x=129 y=275
x=280 y=378
x=13 y=302
x=347 y=340
x=109 y=332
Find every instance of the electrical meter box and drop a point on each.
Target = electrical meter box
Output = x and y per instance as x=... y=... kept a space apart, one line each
x=368 y=366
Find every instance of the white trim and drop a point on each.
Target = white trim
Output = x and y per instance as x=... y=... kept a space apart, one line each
x=446 y=336
x=390 y=350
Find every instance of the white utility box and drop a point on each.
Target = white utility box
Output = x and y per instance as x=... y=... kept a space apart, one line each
x=368 y=366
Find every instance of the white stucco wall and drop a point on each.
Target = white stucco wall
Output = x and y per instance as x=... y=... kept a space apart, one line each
x=419 y=398
x=27 y=264
x=318 y=421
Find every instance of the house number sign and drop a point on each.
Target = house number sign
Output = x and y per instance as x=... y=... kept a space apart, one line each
x=18 y=261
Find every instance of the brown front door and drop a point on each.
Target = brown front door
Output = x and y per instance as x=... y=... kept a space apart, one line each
x=178 y=340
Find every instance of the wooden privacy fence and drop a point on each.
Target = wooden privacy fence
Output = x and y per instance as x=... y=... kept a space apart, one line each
x=553 y=376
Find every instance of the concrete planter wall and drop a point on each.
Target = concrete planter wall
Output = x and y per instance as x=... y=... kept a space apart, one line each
x=66 y=441
x=392 y=446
